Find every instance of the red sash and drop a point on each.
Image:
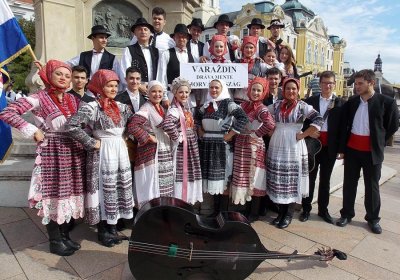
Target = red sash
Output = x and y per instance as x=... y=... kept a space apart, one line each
x=359 y=142
x=323 y=137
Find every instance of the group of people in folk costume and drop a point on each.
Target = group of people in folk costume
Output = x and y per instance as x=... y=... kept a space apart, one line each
x=101 y=155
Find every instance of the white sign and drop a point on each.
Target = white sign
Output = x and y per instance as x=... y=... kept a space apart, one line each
x=235 y=75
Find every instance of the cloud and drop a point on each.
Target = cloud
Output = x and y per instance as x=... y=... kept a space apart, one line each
x=369 y=27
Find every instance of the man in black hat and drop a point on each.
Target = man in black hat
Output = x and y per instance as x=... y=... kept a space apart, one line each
x=196 y=27
x=161 y=40
x=168 y=65
x=274 y=41
x=141 y=55
x=99 y=57
x=255 y=28
x=222 y=25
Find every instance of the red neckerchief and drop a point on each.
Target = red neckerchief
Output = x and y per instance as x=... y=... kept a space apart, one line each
x=287 y=107
x=60 y=105
x=250 y=61
x=159 y=110
x=219 y=59
x=110 y=108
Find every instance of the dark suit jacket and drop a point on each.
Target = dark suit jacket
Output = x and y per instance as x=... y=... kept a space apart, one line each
x=106 y=62
x=383 y=122
x=124 y=98
x=334 y=122
x=270 y=100
x=200 y=45
x=139 y=61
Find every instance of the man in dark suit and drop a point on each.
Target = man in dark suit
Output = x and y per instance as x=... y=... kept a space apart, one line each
x=170 y=60
x=255 y=28
x=99 y=57
x=196 y=27
x=79 y=81
x=369 y=120
x=329 y=106
x=141 y=55
x=274 y=77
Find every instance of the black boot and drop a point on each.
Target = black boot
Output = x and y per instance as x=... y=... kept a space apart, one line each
x=217 y=203
x=112 y=229
x=64 y=231
x=224 y=203
x=57 y=245
x=105 y=238
x=254 y=209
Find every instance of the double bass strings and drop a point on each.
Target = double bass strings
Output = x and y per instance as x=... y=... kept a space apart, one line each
x=207 y=254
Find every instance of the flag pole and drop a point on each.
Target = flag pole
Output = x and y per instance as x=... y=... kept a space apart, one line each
x=32 y=53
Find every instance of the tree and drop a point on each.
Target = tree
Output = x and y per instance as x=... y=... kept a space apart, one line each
x=20 y=67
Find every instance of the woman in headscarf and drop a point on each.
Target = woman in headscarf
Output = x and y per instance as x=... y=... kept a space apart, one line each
x=249 y=169
x=109 y=181
x=218 y=48
x=179 y=125
x=287 y=161
x=256 y=66
x=218 y=120
x=57 y=185
x=154 y=170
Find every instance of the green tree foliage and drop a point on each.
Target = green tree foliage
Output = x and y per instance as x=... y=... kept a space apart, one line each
x=20 y=67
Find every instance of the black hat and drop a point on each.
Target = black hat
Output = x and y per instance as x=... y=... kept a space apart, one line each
x=180 y=28
x=256 y=21
x=223 y=18
x=99 y=29
x=142 y=22
x=196 y=22
x=275 y=22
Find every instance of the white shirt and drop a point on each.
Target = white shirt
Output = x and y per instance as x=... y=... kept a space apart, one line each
x=96 y=58
x=126 y=62
x=194 y=48
x=162 y=67
x=163 y=42
x=323 y=106
x=135 y=99
x=361 y=119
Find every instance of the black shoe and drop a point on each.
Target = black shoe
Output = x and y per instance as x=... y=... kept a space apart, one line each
x=326 y=217
x=112 y=230
x=375 y=227
x=121 y=225
x=252 y=218
x=304 y=216
x=276 y=221
x=59 y=248
x=64 y=231
x=285 y=222
x=342 y=221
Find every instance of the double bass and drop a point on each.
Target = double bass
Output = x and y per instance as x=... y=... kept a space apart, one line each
x=169 y=241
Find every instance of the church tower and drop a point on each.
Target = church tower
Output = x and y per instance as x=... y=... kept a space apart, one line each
x=378 y=70
x=208 y=8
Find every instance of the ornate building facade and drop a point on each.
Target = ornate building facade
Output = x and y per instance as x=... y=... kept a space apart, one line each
x=305 y=32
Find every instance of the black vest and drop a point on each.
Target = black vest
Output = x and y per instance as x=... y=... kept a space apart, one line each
x=200 y=45
x=173 y=67
x=106 y=62
x=262 y=49
x=139 y=61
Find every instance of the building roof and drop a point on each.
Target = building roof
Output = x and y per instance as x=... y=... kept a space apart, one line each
x=264 y=6
x=295 y=5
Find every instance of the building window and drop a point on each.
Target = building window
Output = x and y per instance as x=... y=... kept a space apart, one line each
x=294 y=43
x=207 y=37
x=322 y=56
x=245 y=32
x=308 y=56
x=316 y=54
x=288 y=39
x=228 y=34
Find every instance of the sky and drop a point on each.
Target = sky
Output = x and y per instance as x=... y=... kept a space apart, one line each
x=368 y=26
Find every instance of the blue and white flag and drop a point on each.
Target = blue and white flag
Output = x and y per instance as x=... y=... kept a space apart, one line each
x=12 y=40
x=5 y=130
